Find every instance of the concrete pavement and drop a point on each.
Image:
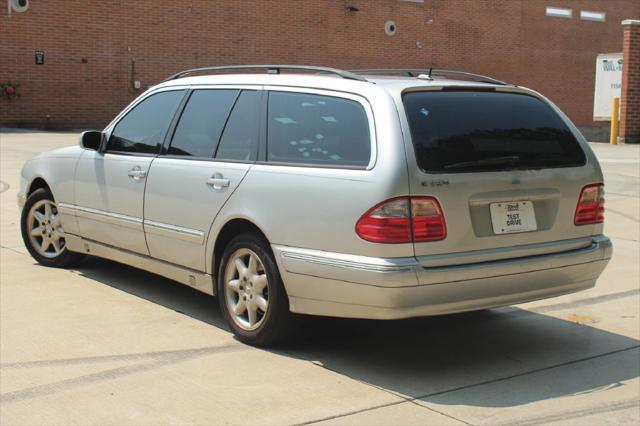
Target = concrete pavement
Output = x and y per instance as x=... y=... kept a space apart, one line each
x=108 y=344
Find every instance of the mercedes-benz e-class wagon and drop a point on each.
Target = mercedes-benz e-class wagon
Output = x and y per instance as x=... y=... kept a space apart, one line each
x=326 y=192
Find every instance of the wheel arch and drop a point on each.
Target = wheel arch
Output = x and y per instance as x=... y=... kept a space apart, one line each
x=38 y=183
x=228 y=231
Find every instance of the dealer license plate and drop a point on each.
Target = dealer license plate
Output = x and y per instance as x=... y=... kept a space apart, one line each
x=513 y=216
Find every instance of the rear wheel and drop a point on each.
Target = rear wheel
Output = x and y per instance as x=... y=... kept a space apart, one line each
x=42 y=231
x=251 y=294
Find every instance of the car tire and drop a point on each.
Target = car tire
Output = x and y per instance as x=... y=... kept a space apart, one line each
x=251 y=294
x=42 y=231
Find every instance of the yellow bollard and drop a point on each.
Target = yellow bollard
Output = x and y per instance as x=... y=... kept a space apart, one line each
x=615 y=108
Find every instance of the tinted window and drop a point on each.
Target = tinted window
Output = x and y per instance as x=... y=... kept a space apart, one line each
x=240 y=137
x=142 y=130
x=476 y=131
x=202 y=122
x=317 y=129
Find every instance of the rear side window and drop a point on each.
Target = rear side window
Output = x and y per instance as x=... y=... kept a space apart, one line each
x=323 y=130
x=240 y=137
x=201 y=123
x=142 y=130
x=459 y=131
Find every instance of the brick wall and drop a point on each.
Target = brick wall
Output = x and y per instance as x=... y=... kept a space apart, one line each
x=90 y=46
x=630 y=96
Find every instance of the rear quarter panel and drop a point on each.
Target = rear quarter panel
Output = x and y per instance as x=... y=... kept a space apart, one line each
x=317 y=208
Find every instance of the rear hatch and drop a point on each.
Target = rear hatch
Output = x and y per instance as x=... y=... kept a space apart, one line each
x=506 y=169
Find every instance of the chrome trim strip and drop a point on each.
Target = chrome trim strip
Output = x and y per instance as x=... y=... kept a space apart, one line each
x=340 y=260
x=502 y=254
x=103 y=216
x=345 y=264
x=173 y=231
x=163 y=229
x=454 y=262
x=65 y=208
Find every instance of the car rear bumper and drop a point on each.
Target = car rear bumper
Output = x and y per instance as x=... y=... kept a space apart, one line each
x=331 y=284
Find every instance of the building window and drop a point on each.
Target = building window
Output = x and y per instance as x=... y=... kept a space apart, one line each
x=558 y=12
x=587 y=15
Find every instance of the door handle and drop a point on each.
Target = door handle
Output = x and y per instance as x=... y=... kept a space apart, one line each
x=217 y=182
x=137 y=173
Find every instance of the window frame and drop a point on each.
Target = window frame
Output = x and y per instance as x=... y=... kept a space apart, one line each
x=410 y=147
x=108 y=131
x=262 y=121
x=262 y=136
x=174 y=124
x=373 y=155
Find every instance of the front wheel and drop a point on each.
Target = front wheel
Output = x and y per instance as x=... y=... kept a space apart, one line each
x=251 y=294
x=42 y=231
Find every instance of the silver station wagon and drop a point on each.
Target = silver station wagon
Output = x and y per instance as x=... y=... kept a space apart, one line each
x=307 y=190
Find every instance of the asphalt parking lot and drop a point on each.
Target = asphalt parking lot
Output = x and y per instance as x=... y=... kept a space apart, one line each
x=108 y=344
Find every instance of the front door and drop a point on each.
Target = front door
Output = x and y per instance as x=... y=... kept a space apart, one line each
x=109 y=185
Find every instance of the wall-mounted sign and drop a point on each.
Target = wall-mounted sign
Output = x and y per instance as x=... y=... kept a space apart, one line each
x=608 y=84
x=39 y=57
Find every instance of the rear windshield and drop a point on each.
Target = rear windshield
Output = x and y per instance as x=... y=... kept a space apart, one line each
x=460 y=131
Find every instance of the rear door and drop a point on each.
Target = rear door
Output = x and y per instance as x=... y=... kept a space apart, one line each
x=213 y=146
x=506 y=169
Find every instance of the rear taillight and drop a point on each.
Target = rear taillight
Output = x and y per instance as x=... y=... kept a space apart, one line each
x=403 y=220
x=590 y=207
x=428 y=220
x=387 y=222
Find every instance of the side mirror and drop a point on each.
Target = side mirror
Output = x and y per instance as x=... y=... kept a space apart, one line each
x=91 y=139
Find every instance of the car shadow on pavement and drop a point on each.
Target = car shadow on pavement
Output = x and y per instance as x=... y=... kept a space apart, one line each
x=445 y=359
x=153 y=288
x=457 y=359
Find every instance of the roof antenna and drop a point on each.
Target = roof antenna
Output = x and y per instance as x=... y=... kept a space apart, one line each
x=426 y=76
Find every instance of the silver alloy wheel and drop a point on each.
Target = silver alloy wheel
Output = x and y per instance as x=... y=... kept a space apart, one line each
x=45 y=229
x=246 y=289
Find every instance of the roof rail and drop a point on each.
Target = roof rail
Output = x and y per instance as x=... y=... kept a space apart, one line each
x=410 y=72
x=477 y=77
x=271 y=69
x=429 y=72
